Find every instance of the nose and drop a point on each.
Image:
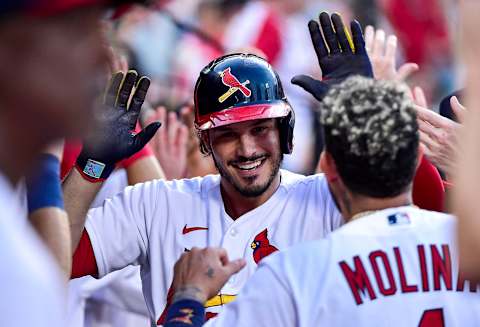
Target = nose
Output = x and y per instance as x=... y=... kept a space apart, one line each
x=247 y=146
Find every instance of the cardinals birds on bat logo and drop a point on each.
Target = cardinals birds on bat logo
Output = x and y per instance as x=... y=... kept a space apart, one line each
x=261 y=246
x=228 y=79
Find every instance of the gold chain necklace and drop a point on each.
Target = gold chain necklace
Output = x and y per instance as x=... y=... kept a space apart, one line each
x=363 y=214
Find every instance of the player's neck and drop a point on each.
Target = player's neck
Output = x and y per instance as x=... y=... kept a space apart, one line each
x=362 y=205
x=237 y=204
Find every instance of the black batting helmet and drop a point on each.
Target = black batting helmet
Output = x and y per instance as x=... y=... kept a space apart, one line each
x=241 y=87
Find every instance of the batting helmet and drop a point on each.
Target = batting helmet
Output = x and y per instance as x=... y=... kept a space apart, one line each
x=241 y=87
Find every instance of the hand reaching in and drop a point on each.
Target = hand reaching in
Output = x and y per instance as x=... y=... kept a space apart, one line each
x=340 y=57
x=382 y=53
x=438 y=135
x=170 y=143
x=114 y=138
x=200 y=273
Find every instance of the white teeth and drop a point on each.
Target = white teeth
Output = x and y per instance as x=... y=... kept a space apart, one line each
x=250 y=166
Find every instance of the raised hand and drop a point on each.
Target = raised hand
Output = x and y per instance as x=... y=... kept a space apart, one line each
x=382 y=53
x=170 y=143
x=439 y=135
x=113 y=139
x=340 y=57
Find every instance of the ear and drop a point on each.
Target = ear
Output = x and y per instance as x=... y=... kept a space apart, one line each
x=205 y=147
x=328 y=166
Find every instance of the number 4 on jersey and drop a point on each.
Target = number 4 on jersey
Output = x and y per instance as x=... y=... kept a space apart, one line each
x=432 y=318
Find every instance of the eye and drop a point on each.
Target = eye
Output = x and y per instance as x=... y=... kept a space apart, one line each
x=227 y=134
x=259 y=129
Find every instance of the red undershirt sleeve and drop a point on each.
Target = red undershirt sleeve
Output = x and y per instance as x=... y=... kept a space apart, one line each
x=428 y=187
x=84 y=262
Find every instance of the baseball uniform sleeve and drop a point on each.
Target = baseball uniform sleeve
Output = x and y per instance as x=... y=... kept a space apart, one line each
x=118 y=230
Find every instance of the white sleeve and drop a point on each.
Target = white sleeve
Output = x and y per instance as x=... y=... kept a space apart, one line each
x=118 y=230
x=264 y=301
x=335 y=218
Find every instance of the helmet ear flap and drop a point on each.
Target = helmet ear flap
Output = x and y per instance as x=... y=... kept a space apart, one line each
x=286 y=125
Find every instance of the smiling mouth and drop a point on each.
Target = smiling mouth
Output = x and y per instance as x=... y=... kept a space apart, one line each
x=250 y=164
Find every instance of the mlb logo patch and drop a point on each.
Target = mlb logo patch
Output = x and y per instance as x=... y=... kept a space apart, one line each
x=399 y=218
x=94 y=168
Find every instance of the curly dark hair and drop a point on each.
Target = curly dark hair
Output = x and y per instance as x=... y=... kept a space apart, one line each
x=371 y=131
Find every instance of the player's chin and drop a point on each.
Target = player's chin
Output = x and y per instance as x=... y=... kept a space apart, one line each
x=254 y=184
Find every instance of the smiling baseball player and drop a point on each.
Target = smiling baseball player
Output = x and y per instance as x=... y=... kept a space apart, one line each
x=391 y=264
x=252 y=208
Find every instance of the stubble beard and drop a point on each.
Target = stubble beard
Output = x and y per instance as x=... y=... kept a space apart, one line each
x=254 y=190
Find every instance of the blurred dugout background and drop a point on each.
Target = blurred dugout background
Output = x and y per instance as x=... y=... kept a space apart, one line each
x=172 y=44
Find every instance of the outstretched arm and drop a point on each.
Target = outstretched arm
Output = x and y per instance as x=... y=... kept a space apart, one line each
x=46 y=209
x=201 y=274
x=467 y=178
x=111 y=142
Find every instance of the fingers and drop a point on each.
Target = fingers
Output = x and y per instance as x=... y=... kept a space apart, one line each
x=138 y=99
x=433 y=118
x=406 y=70
x=379 y=44
x=222 y=255
x=181 y=139
x=329 y=33
x=425 y=143
x=235 y=266
x=317 y=40
x=458 y=109
x=145 y=136
x=311 y=85
x=162 y=117
x=369 y=37
x=229 y=267
x=357 y=37
x=126 y=89
x=187 y=116
x=391 y=48
x=419 y=97
x=342 y=34
x=429 y=130
x=122 y=63
x=172 y=123
x=112 y=89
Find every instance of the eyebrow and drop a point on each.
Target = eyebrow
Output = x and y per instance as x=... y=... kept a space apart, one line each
x=228 y=128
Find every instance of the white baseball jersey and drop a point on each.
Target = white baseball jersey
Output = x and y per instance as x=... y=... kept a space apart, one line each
x=395 y=267
x=117 y=298
x=152 y=224
x=31 y=290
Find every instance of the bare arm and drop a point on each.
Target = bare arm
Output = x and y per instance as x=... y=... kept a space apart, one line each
x=51 y=224
x=467 y=180
x=143 y=170
x=111 y=142
x=78 y=194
